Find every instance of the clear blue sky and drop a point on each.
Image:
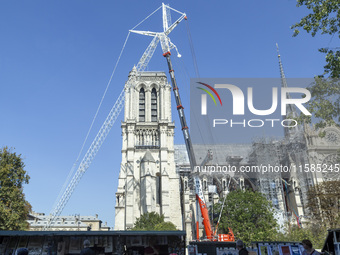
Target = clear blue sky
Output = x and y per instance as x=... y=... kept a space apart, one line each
x=56 y=58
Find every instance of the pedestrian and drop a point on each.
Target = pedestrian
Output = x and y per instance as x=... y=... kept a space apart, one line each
x=22 y=251
x=308 y=246
x=241 y=249
x=87 y=250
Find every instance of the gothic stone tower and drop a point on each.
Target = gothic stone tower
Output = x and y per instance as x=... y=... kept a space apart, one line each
x=148 y=181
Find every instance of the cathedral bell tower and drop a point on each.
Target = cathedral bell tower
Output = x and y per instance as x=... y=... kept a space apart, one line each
x=148 y=181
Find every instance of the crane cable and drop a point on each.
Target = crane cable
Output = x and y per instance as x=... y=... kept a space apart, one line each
x=219 y=217
x=193 y=55
x=96 y=114
x=192 y=49
x=90 y=129
x=198 y=76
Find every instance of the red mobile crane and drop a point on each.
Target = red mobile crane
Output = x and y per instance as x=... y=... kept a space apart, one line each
x=167 y=45
x=198 y=186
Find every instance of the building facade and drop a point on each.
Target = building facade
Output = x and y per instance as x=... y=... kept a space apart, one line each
x=304 y=157
x=302 y=154
x=155 y=175
x=38 y=222
x=148 y=181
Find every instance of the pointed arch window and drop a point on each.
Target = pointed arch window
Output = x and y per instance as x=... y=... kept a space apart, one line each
x=153 y=105
x=142 y=105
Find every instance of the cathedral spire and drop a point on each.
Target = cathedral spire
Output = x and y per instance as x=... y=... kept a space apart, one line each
x=283 y=77
x=291 y=112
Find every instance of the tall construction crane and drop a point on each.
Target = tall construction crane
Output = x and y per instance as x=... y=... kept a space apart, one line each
x=115 y=111
x=167 y=45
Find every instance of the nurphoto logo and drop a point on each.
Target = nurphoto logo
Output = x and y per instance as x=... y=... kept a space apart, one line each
x=238 y=99
x=225 y=108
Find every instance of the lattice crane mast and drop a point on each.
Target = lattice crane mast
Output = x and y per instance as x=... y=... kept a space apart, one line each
x=102 y=134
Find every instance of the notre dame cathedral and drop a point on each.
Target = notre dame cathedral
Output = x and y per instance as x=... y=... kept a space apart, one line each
x=148 y=180
x=155 y=174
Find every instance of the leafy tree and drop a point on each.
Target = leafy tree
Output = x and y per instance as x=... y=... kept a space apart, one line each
x=315 y=233
x=325 y=102
x=250 y=216
x=153 y=221
x=324 y=18
x=324 y=203
x=13 y=206
x=165 y=226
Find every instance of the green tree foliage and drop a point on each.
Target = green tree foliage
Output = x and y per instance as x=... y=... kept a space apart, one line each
x=13 y=206
x=324 y=203
x=153 y=222
x=165 y=226
x=324 y=18
x=250 y=216
x=315 y=233
x=325 y=102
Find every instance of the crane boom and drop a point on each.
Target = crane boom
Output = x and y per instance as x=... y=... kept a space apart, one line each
x=167 y=45
x=90 y=154
x=102 y=134
x=145 y=59
x=188 y=144
x=198 y=184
